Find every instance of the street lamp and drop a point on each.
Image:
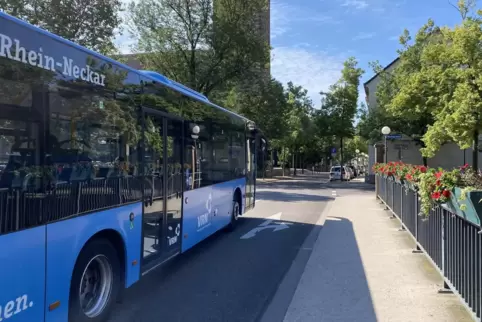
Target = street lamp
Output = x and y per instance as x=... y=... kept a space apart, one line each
x=385 y=131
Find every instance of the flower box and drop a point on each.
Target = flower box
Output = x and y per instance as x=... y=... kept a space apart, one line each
x=467 y=207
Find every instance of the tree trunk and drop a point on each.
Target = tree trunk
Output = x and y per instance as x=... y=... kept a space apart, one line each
x=475 y=151
x=283 y=163
x=293 y=159
x=341 y=151
x=302 y=166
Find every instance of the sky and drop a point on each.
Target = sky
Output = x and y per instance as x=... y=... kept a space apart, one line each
x=312 y=38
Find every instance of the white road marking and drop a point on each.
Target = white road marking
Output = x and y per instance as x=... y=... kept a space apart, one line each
x=267 y=224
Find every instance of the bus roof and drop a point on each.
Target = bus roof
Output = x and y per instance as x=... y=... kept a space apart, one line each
x=149 y=74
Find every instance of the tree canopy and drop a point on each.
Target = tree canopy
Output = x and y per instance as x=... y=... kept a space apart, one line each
x=194 y=43
x=434 y=93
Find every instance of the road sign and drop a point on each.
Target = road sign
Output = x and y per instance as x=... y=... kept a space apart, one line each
x=394 y=136
x=333 y=152
x=268 y=224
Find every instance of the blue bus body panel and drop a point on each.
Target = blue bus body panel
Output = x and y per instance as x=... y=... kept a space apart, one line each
x=207 y=210
x=22 y=281
x=65 y=240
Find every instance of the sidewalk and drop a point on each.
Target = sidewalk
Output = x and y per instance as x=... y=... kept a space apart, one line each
x=363 y=269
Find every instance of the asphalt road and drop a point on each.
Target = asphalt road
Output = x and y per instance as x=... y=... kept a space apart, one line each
x=233 y=276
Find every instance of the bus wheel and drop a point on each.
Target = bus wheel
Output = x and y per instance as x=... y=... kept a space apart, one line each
x=95 y=282
x=234 y=215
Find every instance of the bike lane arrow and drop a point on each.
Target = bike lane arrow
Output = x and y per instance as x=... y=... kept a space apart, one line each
x=268 y=224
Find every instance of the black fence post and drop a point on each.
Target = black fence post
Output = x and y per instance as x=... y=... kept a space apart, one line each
x=393 y=200
x=417 y=249
x=402 y=188
x=445 y=288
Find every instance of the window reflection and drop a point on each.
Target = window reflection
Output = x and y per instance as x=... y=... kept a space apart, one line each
x=65 y=147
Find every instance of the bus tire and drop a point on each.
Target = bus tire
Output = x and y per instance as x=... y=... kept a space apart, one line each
x=97 y=270
x=236 y=211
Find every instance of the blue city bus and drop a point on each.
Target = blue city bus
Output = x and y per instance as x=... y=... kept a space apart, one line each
x=106 y=172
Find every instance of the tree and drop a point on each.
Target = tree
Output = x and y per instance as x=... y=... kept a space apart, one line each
x=267 y=107
x=195 y=44
x=298 y=123
x=90 y=23
x=452 y=62
x=412 y=92
x=339 y=106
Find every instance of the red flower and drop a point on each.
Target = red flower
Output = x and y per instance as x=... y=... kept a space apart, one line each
x=446 y=193
x=436 y=195
x=409 y=177
x=439 y=174
x=423 y=169
x=438 y=183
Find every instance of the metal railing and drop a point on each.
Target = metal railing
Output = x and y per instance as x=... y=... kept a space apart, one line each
x=452 y=244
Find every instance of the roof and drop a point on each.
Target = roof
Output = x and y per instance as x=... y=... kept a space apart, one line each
x=154 y=76
x=384 y=69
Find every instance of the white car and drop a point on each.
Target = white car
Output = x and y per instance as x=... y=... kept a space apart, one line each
x=339 y=173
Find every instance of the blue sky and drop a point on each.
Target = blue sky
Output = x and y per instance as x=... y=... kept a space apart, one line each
x=312 y=38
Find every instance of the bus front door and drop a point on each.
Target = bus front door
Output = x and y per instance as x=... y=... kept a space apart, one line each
x=250 y=172
x=163 y=180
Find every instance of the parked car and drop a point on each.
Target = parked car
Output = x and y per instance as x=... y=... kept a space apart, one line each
x=350 y=173
x=335 y=173
x=339 y=173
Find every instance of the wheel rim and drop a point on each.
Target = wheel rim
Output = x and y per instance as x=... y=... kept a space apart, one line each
x=236 y=210
x=95 y=286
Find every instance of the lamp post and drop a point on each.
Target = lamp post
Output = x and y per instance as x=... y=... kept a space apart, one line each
x=357 y=159
x=385 y=131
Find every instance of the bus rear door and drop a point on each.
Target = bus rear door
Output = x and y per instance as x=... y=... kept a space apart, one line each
x=163 y=175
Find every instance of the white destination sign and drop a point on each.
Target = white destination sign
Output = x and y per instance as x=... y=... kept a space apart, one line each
x=12 y=49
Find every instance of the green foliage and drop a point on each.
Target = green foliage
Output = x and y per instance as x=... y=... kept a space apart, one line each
x=90 y=23
x=454 y=63
x=266 y=105
x=404 y=96
x=339 y=105
x=353 y=144
x=434 y=93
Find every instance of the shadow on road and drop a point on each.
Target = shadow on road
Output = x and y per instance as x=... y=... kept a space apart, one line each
x=224 y=278
x=273 y=195
x=294 y=183
x=314 y=182
x=334 y=286
x=351 y=185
